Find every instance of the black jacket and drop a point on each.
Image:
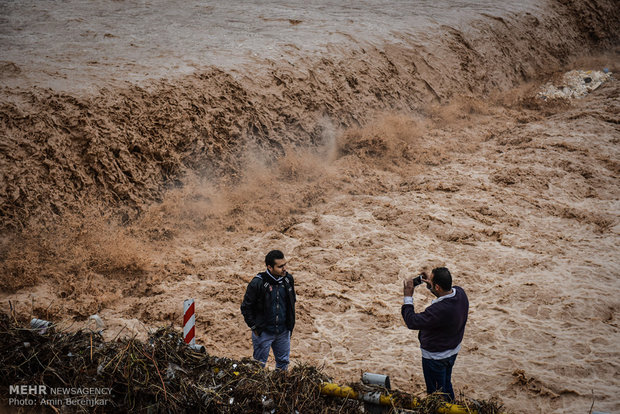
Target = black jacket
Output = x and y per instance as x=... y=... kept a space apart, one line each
x=258 y=299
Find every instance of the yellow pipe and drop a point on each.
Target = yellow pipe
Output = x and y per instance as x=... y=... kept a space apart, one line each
x=454 y=409
x=335 y=390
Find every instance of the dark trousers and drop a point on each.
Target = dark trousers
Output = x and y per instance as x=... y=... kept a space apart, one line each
x=438 y=375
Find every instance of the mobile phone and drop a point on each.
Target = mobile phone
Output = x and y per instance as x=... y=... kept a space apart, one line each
x=417 y=280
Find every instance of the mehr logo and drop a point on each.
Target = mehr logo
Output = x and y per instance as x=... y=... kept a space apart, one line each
x=28 y=389
x=31 y=395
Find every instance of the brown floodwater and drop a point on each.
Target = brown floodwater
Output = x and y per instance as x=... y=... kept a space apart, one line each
x=72 y=45
x=154 y=151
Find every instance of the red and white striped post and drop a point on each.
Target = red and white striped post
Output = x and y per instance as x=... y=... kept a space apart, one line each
x=189 y=325
x=189 y=322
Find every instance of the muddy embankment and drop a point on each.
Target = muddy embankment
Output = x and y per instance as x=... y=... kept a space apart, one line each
x=363 y=165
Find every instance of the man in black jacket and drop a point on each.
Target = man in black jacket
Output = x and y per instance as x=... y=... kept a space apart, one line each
x=441 y=327
x=269 y=310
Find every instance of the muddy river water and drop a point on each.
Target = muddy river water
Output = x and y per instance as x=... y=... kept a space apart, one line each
x=153 y=151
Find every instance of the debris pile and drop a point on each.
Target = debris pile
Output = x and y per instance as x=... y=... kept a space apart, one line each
x=161 y=374
x=574 y=84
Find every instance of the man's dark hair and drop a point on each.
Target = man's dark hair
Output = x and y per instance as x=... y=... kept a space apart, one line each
x=272 y=256
x=442 y=277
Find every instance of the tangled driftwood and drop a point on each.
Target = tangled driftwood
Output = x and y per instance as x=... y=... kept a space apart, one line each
x=163 y=374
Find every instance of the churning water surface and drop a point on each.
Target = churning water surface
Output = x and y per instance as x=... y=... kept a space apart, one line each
x=77 y=40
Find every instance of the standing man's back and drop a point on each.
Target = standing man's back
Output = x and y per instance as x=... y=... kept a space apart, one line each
x=441 y=327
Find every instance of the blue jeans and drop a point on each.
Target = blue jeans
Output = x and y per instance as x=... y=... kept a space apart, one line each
x=438 y=375
x=280 y=343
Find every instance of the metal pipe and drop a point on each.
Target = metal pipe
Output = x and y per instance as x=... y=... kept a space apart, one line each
x=376 y=379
